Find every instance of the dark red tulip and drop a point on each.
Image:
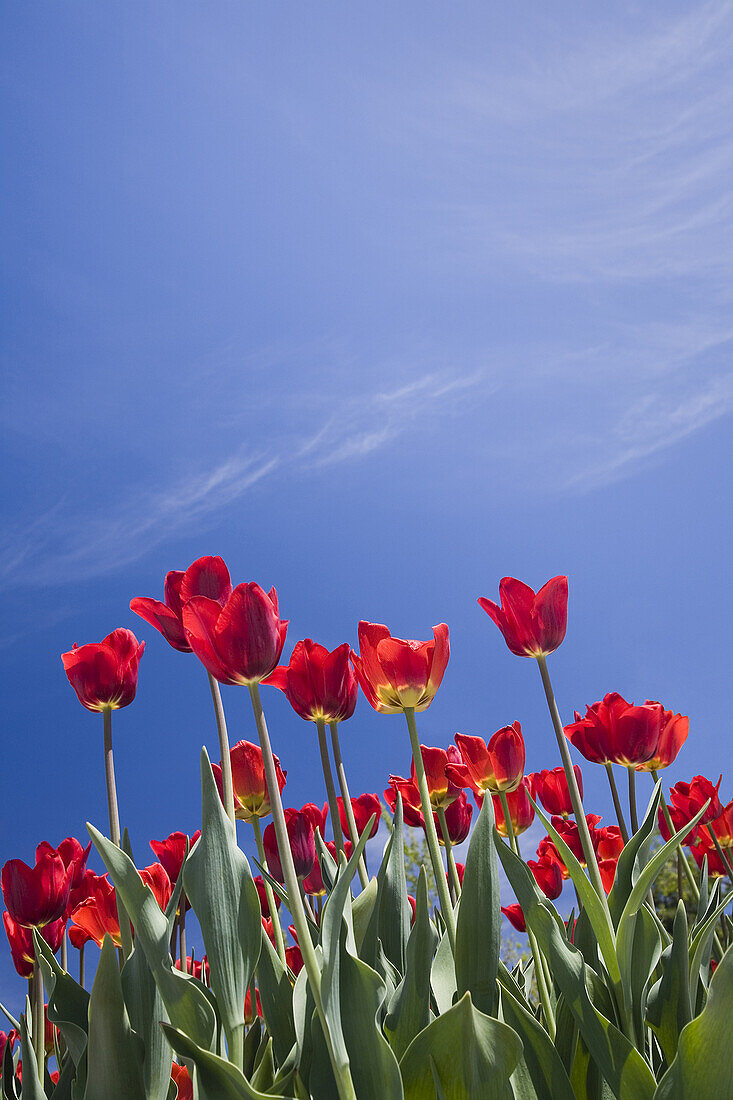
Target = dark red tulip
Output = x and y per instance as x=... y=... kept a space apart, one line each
x=521 y=810
x=363 y=807
x=515 y=916
x=674 y=729
x=616 y=732
x=301 y=835
x=20 y=939
x=97 y=916
x=457 y=818
x=318 y=685
x=104 y=674
x=294 y=959
x=395 y=674
x=551 y=788
x=412 y=902
x=172 y=851
x=460 y=868
x=248 y=778
x=75 y=859
x=318 y=816
x=248 y=1014
x=199 y=968
x=496 y=767
x=35 y=896
x=184 y=1084
x=8 y=1037
x=84 y=890
x=241 y=641
x=156 y=877
x=533 y=625
x=313 y=883
x=568 y=830
x=262 y=894
x=689 y=798
x=411 y=812
x=206 y=577
x=548 y=876
x=547 y=852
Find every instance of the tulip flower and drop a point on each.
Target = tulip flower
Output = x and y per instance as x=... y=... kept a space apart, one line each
x=294 y=959
x=249 y=1015
x=396 y=675
x=239 y=642
x=301 y=836
x=515 y=916
x=495 y=767
x=521 y=810
x=688 y=798
x=672 y=736
x=172 y=851
x=320 y=686
x=74 y=856
x=264 y=901
x=411 y=814
x=442 y=790
x=38 y=895
x=84 y=890
x=533 y=625
x=617 y=732
x=251 y=798
x=181 y=1079
x=458 y=820
x=568 y=830
x=547 y=852
x=363 y=808
x=97 y=916
x=318 y=816
x=313 y=883
x=551 y=788
x=104 y=674
x=5 y=1038
x=206 y=577
x=20 y=939
x=198 y=968
x=548 y=876
x=156 y=878
x=722 y=827
x=717 y=867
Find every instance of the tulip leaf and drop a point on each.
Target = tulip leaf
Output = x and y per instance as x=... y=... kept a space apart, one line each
x=276 y=996
x=68 y=1003
x=216 y=1078
x=468 y=1055
x=219 y=884
x=186 y=1002
x=409 y=1006
x=704 y=1060
x=668 y=1007
x=32 y=1088
x=114 y=1053
x=634 y=856
x=304 y=1007
x=646 y=950
x=146 y=1009
x=701 y=943
x=9 y=1087
x=539 y=1072
x=443 y=975
x=478 y=929
x=390 y=920
x=362 y=909
x=626 y=1072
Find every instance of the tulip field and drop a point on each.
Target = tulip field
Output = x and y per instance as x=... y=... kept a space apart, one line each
x=323 y=977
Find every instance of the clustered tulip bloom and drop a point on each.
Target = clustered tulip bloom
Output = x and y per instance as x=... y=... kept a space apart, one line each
x=206 y=577
x=497 y=767
x=104 y=674
x=521 y=810
x=616 y=732
x=533 y=624
x=251 y=798
x=320 y=686
x=364 y=807
x=239 y=642
x=687 y=799
x=551 y=788
x=395 y=674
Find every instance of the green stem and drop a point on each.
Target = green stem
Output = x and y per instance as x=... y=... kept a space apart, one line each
x=339 y=1062
x=333 y=808
x=226 y=760
x=617 y=803
x=269 y=892
x=82 y=975
x=632 y=800
x=182 y=934
x=39 y=1029
x=64 y=960
x=346 y=799
x=114 y=824
x=455 y=882
x=576 y=800
x=431 y=834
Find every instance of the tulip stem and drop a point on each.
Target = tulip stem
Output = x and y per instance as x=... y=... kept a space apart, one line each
x=333 y=808
x=617 y=803
x=454 y=881
x=431 y=834
x=64 y=952
x=114 y=824
x=82 y=974
x=226 y=760
x=269 y=893
x=339 y=1060
x=39 y=1023
x=182 y=934
x=632 y=800
x=576 y=800
x=346 y=799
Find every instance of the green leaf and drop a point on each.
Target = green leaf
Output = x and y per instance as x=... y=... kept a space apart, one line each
x=146 y=1009
x=704 y=1060
x=634 y=856
x=668 y=1009
x=68 y=1003
x=276 y=995
x=32 y=1088
x=540 y=1072
x=216 y=1079
x=114 y=1052
x=186 y=1003
x=469 y=1054
x=409 y=1007
x=645 y=954
x=626 y=1072
x=391 y=915
x=219 y=884
x=443 y=975
x=478 y=929
x=362 y=909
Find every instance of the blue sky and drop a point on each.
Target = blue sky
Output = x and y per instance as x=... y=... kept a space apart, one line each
x=380 y=302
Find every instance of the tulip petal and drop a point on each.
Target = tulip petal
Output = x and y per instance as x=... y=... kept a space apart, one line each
x=206 y=577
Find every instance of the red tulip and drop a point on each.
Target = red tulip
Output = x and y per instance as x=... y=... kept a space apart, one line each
x=182 y=1081
x=84 y=890
x=104 y=674
x=411 y=812
x=241 y=641
x=616 y=732
x=262 y=893
x=20 y=939
x=313 y=883
x=198 y=968
x=363 y=807
x=461 y=869
x=551 y=788
x=248 y=777
x=673 y=734
x=548 y=853
x=75 y=859
x=294 y=959
x=496 y=767
x=722 y=826
x=172 y=851
x=521 y=810
x=248 y=1014
x=7 y=1037
x=396 y=674
x=515 y=916
x=442 y=790
x=716 y=866
x=532 y=625
x=318 y=816
x=97 y=916
x=318 y=685
x=301 y=835
x=458 y=819
x=35 y=896
x=689 y=798
x=156 y=877
x=568 y=830
x=548 y=876
x=206 y=577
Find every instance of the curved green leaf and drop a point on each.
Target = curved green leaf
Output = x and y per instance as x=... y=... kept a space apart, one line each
x=409 y=1007
x=32 y=1088
x=114 y=1053
x=68 y=1003
x=276 y=995
x=146 y=1009
x=668 y=1009
x=478 y=929
x=540 y=1072
x=216 y=1079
